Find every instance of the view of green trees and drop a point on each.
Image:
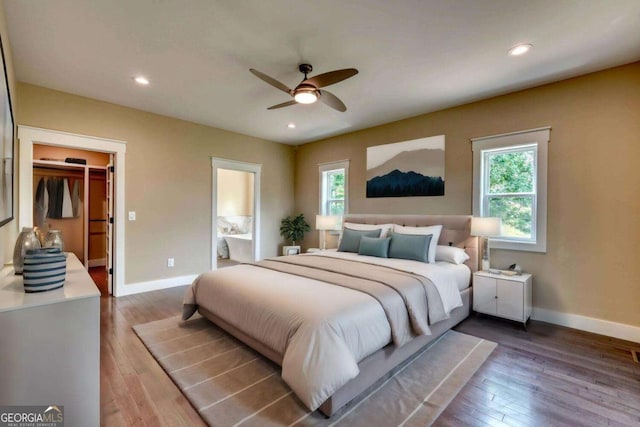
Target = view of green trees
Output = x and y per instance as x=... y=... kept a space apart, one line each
x=511 y=187
x=336 y=192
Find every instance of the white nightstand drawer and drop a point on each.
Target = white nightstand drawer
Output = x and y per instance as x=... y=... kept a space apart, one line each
x=484 y=295
x=509 y=297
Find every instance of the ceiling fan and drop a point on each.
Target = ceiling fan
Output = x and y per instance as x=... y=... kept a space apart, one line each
x=308 y=91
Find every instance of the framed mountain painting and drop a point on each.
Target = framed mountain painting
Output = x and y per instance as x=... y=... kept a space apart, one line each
x=412 y=168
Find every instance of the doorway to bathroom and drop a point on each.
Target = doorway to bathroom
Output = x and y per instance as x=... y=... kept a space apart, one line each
x=235 y=212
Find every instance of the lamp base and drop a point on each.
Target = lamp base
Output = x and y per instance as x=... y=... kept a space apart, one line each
x=486 y=265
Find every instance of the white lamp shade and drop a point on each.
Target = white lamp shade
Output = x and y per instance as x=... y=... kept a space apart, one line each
x=486 y=226
x=328 y=222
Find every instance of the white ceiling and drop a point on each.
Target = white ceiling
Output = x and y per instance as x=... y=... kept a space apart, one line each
x=414 y=56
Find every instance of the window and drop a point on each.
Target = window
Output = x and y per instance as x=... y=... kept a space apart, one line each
x=510 y=182
x=334 y=188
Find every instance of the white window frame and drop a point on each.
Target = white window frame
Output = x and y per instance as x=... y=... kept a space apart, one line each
x=538 y=138
x=323 y=185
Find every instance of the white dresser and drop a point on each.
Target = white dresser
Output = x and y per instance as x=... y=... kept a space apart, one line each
x=504 y=296
x=50 y=345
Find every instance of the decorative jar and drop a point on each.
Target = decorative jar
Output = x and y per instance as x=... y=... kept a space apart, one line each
x=54 y=240
x=26 y=240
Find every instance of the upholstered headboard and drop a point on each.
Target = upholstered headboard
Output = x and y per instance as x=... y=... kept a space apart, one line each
x=456 y=229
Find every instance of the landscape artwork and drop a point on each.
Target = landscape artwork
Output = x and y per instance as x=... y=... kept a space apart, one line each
x=412 y=168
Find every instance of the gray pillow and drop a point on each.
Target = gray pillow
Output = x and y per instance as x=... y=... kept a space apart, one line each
x=374 y=246
x=351 y=238
x=410 y=246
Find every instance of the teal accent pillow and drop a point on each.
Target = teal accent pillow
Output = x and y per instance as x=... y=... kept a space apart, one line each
x=373 y=246
x=410 y=246
x=351 y=239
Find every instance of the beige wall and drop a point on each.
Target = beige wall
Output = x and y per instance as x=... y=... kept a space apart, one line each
x=9 y=231
x=168 y=177
x=591 y=266
x=235 y=193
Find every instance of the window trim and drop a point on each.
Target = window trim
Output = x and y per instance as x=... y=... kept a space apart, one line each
x=327 y=167
x=534 y=137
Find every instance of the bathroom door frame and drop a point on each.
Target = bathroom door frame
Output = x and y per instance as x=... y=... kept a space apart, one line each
x=256 y=170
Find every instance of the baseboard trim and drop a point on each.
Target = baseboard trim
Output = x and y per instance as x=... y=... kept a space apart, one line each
x=155 y=285
x=589 y=324
x=98 y=262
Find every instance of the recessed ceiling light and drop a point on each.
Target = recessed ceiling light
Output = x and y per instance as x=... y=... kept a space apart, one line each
x=141 y=80
x=521 y=49
x=291 y=125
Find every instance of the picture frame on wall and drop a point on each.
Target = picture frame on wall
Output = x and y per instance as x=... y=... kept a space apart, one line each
x=412 y=168
x=6 y=144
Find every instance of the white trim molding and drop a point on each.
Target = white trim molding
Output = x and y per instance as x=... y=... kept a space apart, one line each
x=329 y=166
x=256 y=169
x=155 y=285
x=539 y=138
x=588 y=324
x=30 y=135
x=98 y=262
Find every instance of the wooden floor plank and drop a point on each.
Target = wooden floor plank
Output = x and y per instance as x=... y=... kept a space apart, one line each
x=545 y=376
x=550 y=375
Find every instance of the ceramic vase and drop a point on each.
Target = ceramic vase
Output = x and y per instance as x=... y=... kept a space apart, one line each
x=27 y=239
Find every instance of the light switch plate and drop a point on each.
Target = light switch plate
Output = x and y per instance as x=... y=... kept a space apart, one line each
x=132 y=216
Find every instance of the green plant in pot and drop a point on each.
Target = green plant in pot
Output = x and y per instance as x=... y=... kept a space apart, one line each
x=293 y=228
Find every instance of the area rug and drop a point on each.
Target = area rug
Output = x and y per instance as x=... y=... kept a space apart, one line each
x=231 y=385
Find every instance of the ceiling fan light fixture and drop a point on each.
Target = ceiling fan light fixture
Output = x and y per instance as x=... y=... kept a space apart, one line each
x=306 y=96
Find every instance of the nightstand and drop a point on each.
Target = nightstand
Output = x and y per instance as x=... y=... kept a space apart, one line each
x=509 y=297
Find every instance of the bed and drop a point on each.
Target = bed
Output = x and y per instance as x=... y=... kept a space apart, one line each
x=338 y=322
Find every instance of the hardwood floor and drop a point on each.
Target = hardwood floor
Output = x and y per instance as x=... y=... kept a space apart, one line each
x=134 y=390
x=99 y=276
x=547 y=375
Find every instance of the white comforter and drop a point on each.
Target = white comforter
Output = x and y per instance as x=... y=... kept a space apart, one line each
x=322 y=330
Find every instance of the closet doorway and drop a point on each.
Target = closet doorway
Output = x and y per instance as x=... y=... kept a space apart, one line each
x=28 y=137
x=235 y=212
x=73 y=195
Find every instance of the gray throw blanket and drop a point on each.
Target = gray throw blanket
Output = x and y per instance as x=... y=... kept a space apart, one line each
x=402 y=295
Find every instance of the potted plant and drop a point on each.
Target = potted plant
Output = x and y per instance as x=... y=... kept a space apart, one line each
x=293 y=228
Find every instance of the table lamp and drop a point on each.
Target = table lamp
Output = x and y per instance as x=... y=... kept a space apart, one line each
x=327 y=222
x=486 y=227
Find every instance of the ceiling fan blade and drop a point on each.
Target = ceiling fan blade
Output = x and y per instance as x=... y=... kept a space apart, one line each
x=284 y=104
x=332 y=77
x=273 y=82
x=332 y=101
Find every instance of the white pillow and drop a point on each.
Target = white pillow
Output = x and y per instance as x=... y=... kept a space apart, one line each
x=386 y=228
x=451 y=254
x=434 y=230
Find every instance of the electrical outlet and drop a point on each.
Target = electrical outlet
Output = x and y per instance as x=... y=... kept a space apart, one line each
x=171 y=262
x=132 y=216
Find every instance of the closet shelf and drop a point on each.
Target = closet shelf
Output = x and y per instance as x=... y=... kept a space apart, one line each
x=65 y=165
